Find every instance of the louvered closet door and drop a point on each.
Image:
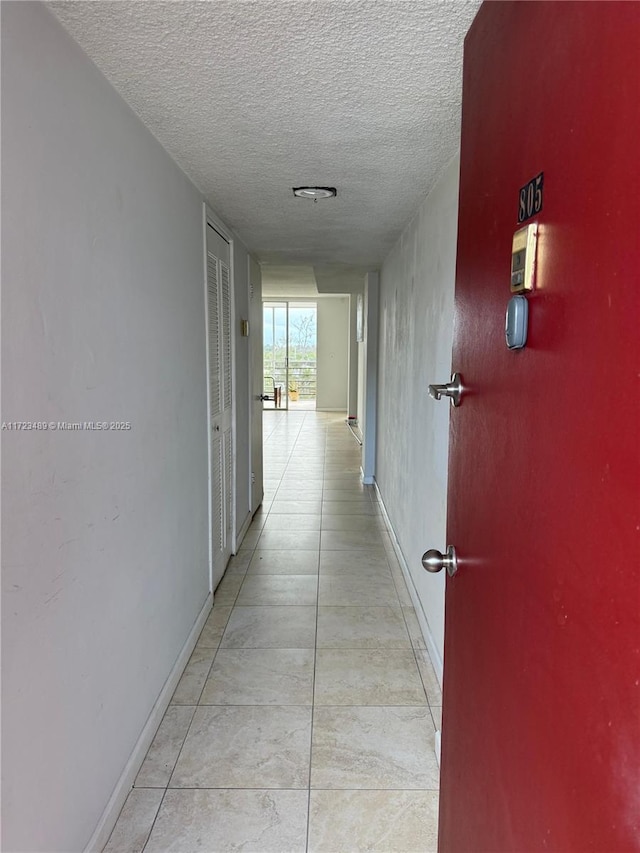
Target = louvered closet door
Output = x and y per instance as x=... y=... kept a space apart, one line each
x=219 y=299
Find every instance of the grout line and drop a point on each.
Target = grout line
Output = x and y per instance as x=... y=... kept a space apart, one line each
x=293 y=446
x=315 y=662
x=154 y=820
x=268 y=788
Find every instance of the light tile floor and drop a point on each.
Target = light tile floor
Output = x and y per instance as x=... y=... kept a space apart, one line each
x=305 y=718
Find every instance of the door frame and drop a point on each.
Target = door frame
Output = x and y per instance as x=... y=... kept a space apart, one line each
x=210 y=218
x=285 y=303
x=256 y=349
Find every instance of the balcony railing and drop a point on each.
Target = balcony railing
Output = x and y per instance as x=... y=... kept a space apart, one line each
x=302 y=376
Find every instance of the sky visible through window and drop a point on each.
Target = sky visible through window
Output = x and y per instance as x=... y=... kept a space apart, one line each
x=302 y=325
x=298 y=374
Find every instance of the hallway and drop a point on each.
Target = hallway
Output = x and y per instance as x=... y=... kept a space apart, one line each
x=305 y=718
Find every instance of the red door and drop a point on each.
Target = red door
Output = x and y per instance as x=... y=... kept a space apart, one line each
x=541 y=728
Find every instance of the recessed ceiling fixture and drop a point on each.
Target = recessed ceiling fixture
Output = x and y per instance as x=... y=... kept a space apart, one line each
x=315 y=193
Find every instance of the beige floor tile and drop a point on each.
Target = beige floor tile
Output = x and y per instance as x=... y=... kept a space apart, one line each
x=136 y=819
x=362 y=628
x=257 y=522
x=436 y=713
x=227 y=590
x=429 y=677
x=355 y=493
x=363 y=507
x=413 y=626
x=387 y=541
x=401 y=587
x=373 y=748
x=239 y=562
x=367 y=677
x=261 y=677
x=279 y=589
x=246 y=747
x=284 y=562
x=356 y=562
x=345 y=540
x=279 y=540
x=263 y=509
x=292 y=481
x=231 y=820
x=307 y=493
x=335 y=480
x=271 y=627
x=163 y=752
x=359 y=590
x=250 y=539
x=214 y=627
x=265 y=506
x=367 y=523
x=296 y=507
x=373 y=822
x=287 y=521
x=264 y=669
x=193 y=678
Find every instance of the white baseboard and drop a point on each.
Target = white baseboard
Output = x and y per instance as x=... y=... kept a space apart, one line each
x=432 y=648
x=434 y=654
x=125 y=783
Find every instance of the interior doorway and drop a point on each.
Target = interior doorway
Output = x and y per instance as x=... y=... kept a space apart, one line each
x=290 y=355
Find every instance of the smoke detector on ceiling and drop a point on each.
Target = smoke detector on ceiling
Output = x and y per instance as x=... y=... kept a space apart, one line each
x=315 y=193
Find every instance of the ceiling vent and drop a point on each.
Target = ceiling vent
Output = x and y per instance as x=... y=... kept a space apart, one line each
x=314 y=193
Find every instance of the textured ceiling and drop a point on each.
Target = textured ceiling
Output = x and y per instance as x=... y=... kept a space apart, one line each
x=280 y=280
x=286 y=280
x=253 y=98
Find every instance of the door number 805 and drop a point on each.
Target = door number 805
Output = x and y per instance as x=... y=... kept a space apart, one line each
x=530 y=200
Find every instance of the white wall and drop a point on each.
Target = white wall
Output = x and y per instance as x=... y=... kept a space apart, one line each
x=362 y=378
x=105 y=533
x=369 y=376
x=256 y=382
x=352 y=396
x=333 y=353
x=242 y=395
x=416 y=323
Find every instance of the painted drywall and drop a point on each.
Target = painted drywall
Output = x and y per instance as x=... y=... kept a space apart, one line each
x=369 y=354
x=105 y=533
x=256 y=382
x=416 y=333
x=241 y=389
x=362 y=378
x=333 y=354
x=352 y=394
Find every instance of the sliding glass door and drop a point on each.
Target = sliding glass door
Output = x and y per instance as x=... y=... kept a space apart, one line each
x=276 y=336
x=290 y=338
